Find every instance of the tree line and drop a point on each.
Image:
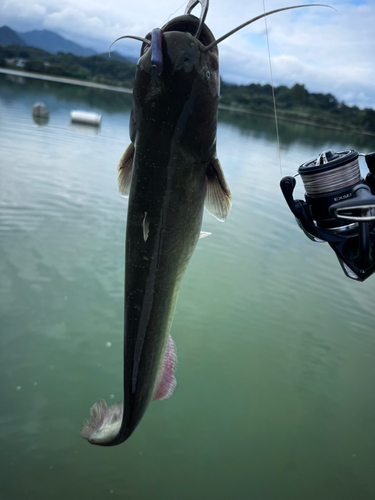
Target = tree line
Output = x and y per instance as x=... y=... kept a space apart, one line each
x=294 y=103
x=97 y=69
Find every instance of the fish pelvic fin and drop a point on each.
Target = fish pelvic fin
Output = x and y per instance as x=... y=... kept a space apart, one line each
x=203 y=234
x=218 y=199
x=104 y=423
x=166 y=382
x=124 y=171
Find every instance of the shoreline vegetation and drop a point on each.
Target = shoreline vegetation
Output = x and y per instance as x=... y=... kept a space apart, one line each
x=294 y=104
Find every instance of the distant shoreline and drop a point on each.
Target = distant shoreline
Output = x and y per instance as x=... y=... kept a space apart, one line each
x=62 y=79
x=292 y=120
x=83 y=83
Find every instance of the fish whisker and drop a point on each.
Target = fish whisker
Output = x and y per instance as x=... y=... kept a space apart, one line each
x=139 y=38
x=230 y=33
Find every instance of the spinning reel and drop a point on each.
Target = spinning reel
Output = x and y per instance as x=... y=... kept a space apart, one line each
x=339 y=208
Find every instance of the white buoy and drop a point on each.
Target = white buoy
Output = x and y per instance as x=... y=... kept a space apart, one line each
x=40 y=113
x=85 y=117
x=40 y=110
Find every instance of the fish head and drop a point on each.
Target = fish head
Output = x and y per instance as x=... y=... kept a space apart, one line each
x=177 y=80
x=175 y=50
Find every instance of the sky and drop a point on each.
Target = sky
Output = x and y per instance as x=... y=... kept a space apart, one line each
x=326 y=50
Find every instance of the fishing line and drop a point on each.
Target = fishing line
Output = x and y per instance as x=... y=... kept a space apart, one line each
x=324 y=178
x=273 y=91
x=173 y=13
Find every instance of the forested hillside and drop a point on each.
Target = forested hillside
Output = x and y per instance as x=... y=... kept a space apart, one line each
x=294 y=103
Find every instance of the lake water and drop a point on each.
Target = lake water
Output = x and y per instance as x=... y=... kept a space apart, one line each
x=276 y=374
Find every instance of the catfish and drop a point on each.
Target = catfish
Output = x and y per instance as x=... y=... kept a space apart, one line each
x=170 y=172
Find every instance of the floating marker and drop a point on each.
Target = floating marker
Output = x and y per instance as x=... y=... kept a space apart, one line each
x=40 y=110
x=86 y=118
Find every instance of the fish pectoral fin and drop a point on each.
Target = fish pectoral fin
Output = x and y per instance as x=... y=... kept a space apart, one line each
x=124 y=171
x=166 y=382
x=218 y=199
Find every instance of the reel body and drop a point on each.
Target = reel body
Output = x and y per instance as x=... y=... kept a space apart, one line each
x=339 y=208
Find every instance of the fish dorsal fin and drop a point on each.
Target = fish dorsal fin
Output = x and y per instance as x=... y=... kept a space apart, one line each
x=218 y=199
x=166 y=382
x=124 y=171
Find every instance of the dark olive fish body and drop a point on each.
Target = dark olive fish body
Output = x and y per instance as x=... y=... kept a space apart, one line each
x=167 y=193
x=172 y=170
x=169 y=171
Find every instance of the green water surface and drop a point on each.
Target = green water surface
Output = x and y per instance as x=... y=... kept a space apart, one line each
x=276 y=374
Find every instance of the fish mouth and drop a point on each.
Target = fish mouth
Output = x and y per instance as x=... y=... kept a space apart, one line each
x=183 y=24
x=189 y=24
x=157 y=60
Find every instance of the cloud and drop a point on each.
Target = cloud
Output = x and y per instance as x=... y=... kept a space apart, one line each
x=330 y=52
x=325 y=50
x=19 y=18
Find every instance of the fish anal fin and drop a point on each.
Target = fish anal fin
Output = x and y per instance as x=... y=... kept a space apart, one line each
x=218 y=199
x=166 y=382
x=124 y=171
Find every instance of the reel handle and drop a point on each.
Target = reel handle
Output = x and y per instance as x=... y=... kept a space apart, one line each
x=370 y=160
x=359 y=208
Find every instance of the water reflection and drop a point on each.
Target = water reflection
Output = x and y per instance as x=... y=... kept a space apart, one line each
x=110 y=102
x=85 y=128
x=40 y=120
x=291 y=133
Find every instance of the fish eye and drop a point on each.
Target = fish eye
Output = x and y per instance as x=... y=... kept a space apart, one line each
x=213 y=63
x=208 y=74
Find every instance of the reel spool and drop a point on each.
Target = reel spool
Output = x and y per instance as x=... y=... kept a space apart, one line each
x=339 y=208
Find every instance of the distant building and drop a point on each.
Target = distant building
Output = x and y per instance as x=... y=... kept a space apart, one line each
x=17 y=61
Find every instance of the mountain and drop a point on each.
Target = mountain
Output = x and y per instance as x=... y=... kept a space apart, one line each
x=118 y=57
x=53 y=43
x=10 y=37
x=43 y=39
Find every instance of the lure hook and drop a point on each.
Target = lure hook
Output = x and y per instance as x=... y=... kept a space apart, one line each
x=191 y=5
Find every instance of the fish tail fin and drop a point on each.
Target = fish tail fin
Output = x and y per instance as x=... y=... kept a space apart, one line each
x=104 y=423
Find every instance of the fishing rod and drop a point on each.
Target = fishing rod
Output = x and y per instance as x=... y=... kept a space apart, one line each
x=339 y=207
